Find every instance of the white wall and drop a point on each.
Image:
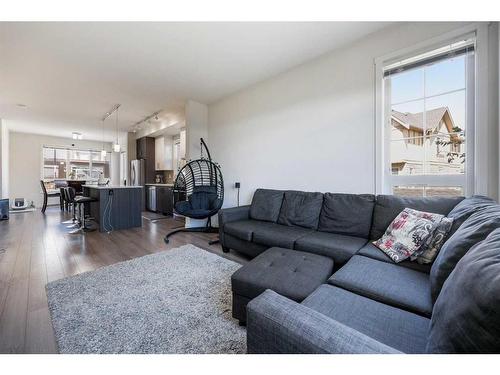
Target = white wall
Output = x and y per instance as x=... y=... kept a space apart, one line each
x=26 y=162
x=4 y=160
x=196 y=128
x=311 y=128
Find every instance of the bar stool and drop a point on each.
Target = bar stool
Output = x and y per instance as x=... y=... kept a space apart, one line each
x=68 y=195
x=82 y=219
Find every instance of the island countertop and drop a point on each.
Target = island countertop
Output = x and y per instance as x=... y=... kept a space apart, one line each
x=104 y=187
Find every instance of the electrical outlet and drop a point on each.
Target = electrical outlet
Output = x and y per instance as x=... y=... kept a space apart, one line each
x=237 y=185
x=110 y=192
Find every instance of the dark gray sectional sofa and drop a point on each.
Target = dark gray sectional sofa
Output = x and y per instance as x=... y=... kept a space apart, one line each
x=371 y=304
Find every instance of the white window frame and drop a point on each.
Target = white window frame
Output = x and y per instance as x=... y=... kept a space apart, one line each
x=42 y=162
x=477 y=157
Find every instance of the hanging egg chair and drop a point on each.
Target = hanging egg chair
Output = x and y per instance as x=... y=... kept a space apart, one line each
x=198 y=192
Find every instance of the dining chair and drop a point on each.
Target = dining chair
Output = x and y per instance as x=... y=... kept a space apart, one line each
x=47 y=195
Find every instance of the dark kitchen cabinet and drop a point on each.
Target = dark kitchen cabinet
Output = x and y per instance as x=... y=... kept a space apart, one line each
x=164 y=204
x=146 y=151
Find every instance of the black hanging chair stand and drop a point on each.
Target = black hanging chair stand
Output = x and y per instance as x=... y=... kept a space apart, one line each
x=198 y=193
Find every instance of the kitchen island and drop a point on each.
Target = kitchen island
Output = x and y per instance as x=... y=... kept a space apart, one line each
x=117 y=207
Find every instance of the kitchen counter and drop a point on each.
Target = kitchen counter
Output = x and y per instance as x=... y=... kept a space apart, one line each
x=167 y=185
x=104 y=187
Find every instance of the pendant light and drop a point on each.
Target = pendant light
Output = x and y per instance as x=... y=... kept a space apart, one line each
x=103 y=151
x=116 y=145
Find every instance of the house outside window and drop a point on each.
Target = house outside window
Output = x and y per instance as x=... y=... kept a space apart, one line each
x=428 y=110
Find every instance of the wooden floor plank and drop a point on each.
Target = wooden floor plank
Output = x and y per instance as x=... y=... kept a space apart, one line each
x=39 y=249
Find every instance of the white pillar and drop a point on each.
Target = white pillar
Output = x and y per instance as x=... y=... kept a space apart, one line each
x=115 y=168
x=4 y=160
x=196 y=128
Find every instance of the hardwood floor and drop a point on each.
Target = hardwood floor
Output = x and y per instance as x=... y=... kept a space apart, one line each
x=37 y=249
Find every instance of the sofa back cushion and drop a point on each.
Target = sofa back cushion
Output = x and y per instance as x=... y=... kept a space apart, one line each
x=475 y=229
x=388 y=207
x=467 y=207
x=301 y=209
x=266 y=205
x=466 y=316
x=348 y=214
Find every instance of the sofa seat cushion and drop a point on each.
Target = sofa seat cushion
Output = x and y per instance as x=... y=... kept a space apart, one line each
x=388 y=207
x=466 y=316
x=387 y=283
x=475 y=229
x=266 y=205
x=394 y=327
x=301 y=209
x=336 y=246
x=348 y=214
x=372 y=251
x=291 y=273
x=278 y=235
x=244 y=229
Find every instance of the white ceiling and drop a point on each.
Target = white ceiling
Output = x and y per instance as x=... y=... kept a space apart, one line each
x=70 y=74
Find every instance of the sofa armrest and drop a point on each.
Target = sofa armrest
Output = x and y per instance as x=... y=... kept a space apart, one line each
x=276 y=324
x=227 y=215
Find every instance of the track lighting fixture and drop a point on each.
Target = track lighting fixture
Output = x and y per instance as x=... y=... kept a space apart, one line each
x=116 y=145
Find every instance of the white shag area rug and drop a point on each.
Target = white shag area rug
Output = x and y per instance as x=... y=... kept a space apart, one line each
x=176 y=301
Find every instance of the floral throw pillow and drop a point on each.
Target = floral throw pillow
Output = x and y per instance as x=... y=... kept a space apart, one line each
x=407 y=233
x=428 y=252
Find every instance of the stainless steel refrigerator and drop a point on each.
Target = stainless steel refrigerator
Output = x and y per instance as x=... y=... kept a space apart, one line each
x=138 y=178
x=137 y=172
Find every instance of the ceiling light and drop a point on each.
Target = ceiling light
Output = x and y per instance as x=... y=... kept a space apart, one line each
x=103 y=151
x=116 y=146
x=77 y=135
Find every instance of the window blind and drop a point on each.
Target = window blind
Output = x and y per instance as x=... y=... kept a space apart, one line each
x=455 y=49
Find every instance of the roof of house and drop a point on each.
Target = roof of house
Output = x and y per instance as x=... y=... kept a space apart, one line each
x=415 y=120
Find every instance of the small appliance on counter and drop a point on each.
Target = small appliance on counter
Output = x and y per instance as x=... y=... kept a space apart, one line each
x=102 y=181
x=159 y=179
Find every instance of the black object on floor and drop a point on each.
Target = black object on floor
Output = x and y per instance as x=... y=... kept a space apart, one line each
x=4 y=209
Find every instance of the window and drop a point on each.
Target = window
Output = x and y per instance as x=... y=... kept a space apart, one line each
x=79 y=164
x=74 y=164
x=100 y=165
x=54 y=163
x=428 y=110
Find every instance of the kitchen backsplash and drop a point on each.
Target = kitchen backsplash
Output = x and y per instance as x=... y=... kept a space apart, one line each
x=167 y=177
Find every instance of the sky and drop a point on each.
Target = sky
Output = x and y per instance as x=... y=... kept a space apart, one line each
x=439 y=78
